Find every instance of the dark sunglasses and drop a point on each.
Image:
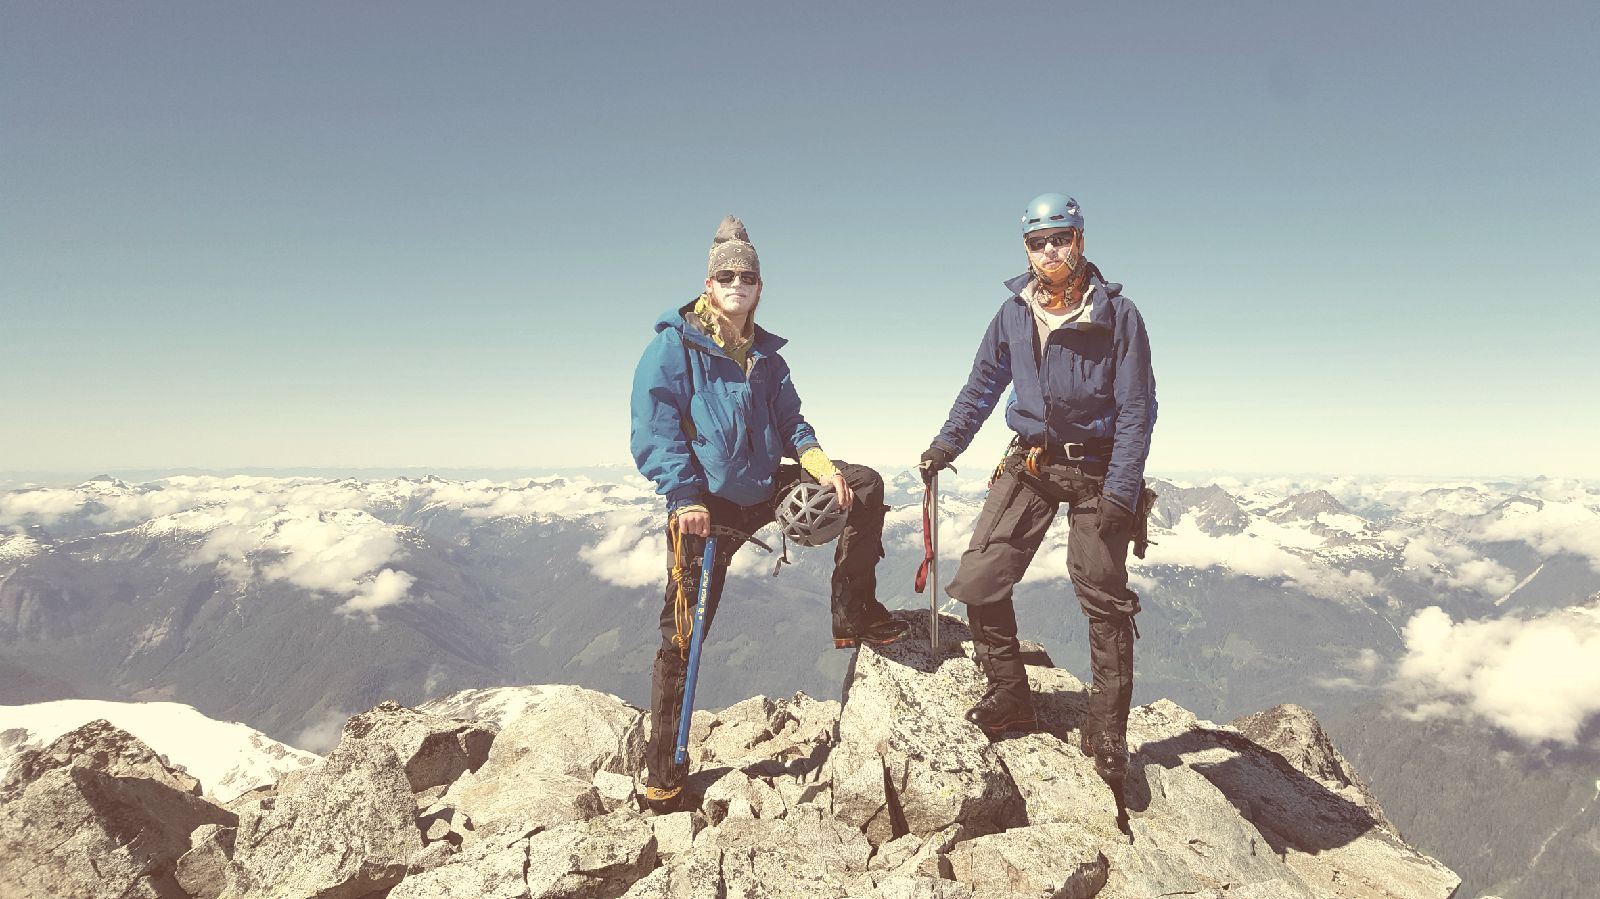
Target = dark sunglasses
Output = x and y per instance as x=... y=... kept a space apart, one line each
x=726 y=277
x=1058 y=239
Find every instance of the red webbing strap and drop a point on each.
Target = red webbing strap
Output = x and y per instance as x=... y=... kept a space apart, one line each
x=927 y=540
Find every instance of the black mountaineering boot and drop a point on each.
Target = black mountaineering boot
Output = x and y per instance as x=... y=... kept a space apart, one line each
x=659 y=801
x=879 y=633
x=1000 y=711
x=1110 y=757
x=1087 y=738
x=861 y=620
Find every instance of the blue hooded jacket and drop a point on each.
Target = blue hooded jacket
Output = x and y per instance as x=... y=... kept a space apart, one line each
x=1093 y=383
x=743 y=425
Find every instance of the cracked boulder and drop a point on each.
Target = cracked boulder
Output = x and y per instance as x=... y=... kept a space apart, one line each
x=917 y=887
x=434 y=750
x=1213 y=812
x=1045 y=861
x=562 y=729
x=804 y=856
x=339 y=830
x=907 y=761
x=97 y=813
x=541 y=771
x=1294 y=733
x=768 y=737
x=597 y=859
x=203 y=870
x=486 y=871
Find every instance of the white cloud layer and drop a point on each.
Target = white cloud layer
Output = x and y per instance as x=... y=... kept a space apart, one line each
x=1537 y=679
x=331 y=536
x=1266 y=550
x=342 y=552
x=1433 y=560
x=632 y=551
x=386 y=588
x=38 y=506
x=109 y=504
x=1564 y=523
x=322 y=734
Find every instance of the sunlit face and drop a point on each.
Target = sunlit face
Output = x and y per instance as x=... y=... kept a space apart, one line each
x=1054 y=252
x=738 y=296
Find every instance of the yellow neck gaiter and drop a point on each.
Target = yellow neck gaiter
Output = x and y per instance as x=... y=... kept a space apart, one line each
x=737 y=348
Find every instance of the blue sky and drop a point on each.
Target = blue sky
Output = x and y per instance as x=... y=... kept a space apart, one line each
x=402 y=234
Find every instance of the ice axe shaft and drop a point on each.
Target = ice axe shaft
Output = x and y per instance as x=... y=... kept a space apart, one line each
x=696 y=637
x=928 y=571
x=697 y=630
x=933 y=563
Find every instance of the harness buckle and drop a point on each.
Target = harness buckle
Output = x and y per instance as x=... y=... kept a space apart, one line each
x=1041 y=455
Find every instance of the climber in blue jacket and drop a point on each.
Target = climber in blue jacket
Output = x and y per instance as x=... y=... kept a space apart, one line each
x=715 y=414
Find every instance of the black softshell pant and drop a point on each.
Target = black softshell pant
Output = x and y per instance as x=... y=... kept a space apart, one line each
x=1018 y=512
x=853 y=596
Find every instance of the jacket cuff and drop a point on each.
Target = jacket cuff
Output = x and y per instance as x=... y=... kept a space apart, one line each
x=1127 y=505
x=684 y=496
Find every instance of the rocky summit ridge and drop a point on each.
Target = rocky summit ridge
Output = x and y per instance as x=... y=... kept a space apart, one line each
x=530 y=792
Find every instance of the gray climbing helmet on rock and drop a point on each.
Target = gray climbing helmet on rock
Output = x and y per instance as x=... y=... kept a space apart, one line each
x=809 y=514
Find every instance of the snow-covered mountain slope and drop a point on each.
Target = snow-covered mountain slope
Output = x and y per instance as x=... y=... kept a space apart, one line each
x=227 y=758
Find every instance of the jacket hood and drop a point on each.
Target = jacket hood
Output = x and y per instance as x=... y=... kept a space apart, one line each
x=677 y=318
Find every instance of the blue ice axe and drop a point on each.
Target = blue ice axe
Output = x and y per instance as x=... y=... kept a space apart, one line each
x=697 y=633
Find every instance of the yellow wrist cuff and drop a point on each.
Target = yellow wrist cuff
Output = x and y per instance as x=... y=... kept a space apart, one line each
x=817 y=464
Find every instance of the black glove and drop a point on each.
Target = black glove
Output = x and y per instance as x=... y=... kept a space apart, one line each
x=1116 y=523
x=933 y=459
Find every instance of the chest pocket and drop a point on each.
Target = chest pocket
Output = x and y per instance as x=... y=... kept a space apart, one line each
x=720 y=412
x=1089 y=357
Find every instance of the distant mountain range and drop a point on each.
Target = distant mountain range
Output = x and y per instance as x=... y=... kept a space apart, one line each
x=290 y=604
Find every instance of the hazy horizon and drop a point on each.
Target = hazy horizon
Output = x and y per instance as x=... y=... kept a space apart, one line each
x=13 y=480
x=289 y=235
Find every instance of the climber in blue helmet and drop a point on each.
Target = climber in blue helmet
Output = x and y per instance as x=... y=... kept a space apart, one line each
x=1075 y=353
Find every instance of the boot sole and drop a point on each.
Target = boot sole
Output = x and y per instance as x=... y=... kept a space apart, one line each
x=850 y=642
x=1109 y=773
x=1027 y=725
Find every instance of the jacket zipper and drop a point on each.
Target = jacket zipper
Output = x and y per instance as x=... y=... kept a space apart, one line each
x=1044 y=380
x=749 y=439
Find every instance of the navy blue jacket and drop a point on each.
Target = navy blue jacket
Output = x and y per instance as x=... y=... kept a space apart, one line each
x=703 y=426
x=1089 y=384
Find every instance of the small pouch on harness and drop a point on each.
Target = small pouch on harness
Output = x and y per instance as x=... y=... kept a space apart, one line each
x=1141 y=519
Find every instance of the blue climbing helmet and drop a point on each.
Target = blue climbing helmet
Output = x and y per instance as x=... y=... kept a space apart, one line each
x=1051 y=210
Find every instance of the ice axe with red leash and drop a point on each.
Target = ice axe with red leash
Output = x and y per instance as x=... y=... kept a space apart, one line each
x=929 y=569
